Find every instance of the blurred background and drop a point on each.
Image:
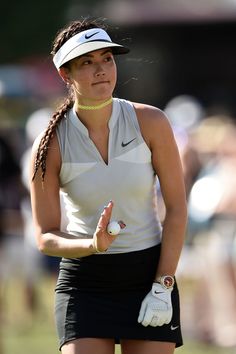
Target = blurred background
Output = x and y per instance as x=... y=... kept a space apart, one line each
x=182 y=60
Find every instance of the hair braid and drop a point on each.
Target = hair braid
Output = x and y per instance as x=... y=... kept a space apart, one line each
x=40 y=160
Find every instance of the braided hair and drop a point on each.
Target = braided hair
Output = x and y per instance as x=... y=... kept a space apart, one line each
x=61 y=37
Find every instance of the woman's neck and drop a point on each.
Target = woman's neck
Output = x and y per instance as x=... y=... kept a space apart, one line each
x=94 y=118
x=93 y=107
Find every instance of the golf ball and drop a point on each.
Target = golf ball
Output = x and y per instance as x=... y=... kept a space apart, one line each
x=113 y=228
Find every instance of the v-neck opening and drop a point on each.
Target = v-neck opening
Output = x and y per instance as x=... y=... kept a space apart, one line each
x=111 y=123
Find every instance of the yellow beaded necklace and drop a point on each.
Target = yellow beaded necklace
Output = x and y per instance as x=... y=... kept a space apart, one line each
x=99 y=106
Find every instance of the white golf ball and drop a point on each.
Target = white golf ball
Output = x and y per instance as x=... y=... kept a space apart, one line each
x=113 y=228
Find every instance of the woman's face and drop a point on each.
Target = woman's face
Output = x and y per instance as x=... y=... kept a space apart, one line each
x=93 y=75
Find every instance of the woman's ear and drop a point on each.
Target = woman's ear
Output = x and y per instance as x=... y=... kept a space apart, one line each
x=64 y=74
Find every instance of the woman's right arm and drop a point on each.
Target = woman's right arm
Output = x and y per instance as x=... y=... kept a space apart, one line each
x=45 y=202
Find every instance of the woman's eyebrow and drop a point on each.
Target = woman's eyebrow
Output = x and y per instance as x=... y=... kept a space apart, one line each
x=87 y=55
x=106 y=51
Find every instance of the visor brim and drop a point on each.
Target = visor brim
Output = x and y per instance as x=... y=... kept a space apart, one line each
x=90 y=47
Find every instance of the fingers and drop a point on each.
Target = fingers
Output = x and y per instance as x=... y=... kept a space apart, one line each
x=170 y=317
x=142 y=312
x=105 y=217
x=154 y=321
x=102 y=236
x=122 y=224
x=160 y=320
x=147 y=317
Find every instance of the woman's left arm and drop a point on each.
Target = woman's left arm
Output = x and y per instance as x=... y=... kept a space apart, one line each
x=166 y=162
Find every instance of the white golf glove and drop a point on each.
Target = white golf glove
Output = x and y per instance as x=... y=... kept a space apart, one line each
x=156 y=308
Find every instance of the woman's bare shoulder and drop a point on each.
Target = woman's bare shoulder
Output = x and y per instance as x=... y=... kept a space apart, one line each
x=53 y=153
x=152 y=120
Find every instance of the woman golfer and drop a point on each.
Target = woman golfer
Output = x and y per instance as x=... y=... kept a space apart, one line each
x=104 y=154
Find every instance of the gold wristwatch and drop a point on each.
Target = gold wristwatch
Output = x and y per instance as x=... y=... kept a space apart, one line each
x=167 y=281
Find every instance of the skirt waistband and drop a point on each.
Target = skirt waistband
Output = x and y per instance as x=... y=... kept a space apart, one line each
x=115 y=258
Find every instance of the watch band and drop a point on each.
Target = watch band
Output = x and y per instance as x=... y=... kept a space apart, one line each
x=167 y=281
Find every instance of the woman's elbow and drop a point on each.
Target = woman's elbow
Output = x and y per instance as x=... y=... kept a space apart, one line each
x=44 y=244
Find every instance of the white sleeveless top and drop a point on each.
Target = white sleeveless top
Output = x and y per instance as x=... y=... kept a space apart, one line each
x=88 y=183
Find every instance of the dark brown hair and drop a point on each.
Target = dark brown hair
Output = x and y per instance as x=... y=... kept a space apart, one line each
x=62 y=36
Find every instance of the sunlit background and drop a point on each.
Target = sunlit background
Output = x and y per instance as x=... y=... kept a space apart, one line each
x=182 y=60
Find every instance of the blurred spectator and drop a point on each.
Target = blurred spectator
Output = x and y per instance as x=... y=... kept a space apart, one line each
x=10 y=194
x=207 y=147
x=9 y=180
x=212 y=219
x=185 y=113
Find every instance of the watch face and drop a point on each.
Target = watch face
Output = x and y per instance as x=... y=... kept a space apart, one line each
x=168 y=281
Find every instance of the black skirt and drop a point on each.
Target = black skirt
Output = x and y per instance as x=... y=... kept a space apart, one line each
x=100 y=296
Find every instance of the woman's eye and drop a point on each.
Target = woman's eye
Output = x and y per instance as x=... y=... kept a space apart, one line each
x=108 y=58
x=87 y=62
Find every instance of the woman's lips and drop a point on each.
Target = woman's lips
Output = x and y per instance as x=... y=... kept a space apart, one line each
x=101 y=82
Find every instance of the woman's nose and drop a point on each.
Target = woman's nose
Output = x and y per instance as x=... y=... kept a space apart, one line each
x=99 y=70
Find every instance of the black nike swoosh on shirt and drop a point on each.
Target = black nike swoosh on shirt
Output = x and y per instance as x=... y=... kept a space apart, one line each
x=125 y=144
x=87 y=36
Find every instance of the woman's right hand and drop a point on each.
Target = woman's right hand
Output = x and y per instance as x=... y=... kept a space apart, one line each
x=101 y=238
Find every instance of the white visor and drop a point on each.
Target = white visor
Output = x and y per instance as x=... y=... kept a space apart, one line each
x=85 y=42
